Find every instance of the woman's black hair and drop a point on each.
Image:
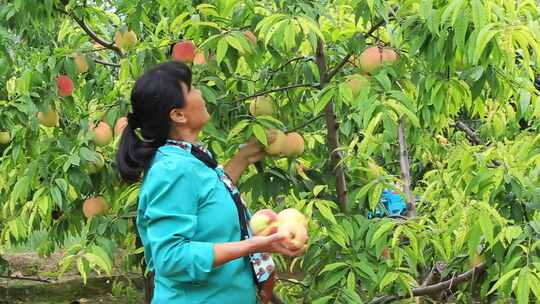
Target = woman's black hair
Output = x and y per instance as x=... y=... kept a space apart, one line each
x=153 y=96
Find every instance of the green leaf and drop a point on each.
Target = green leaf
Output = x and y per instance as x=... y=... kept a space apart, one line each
x=325 y=211
x=99 y=261
x=375 y=196
x=364 y=267
x=332 y=267
x=21 y=189
x=503 y=280
x=402 y=110
x=274 y=29
x=484 y=37
x=82 y=269
x=239 y=127
x=235 y=43
x=309 y=25
x=522 y=288
x=260 y=134
x=323 y=98
x=352 y=296
x=383 y=229
x=388 y=279
x=318 y=188
x=351 y=281
x=486 y=225
x=535 y=284
x=222 y=47
x=56 y=196
x=87 y=154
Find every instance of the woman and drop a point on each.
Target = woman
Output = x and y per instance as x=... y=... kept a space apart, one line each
x=187 y=218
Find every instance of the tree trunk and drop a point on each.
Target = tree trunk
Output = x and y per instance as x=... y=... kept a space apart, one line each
x=332 y=136
x=406 y=169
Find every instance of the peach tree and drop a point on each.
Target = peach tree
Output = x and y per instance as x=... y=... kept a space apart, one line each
x=440 y=96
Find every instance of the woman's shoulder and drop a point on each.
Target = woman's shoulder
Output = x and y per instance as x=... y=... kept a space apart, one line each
x=171 y=162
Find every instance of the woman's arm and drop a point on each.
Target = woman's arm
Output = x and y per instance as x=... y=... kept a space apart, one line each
x=236 y=166
x=225 y=252
x=250 y=153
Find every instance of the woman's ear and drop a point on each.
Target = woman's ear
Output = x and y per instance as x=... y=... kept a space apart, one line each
x=177 y=116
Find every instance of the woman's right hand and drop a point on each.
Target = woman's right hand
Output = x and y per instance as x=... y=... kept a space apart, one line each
x=274 y=243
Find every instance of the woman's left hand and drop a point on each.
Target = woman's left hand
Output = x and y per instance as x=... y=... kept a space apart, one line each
x=253 y=150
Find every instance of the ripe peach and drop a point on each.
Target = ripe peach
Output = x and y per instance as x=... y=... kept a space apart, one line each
x=80 y=63
x=295 y=233
x=264 y=222
x=65 y=85
x=261 y=105
x=199 y=58
x=102 y=133
x=372 y=57
x=294 y=144
x=357 y=83
x=48 y=119
x=5 y=138
x=276 y=147
x=293 y=216
x=120 y=125
x=184 y=51
x=94 y=206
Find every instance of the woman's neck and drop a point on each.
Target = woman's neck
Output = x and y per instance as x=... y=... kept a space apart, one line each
x=185 y=135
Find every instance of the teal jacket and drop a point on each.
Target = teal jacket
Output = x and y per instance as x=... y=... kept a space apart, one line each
x=183 y=210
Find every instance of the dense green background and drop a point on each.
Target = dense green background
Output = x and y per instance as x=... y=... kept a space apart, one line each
x=463 y=65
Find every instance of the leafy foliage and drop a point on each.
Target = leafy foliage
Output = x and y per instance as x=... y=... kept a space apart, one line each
x=466 y=61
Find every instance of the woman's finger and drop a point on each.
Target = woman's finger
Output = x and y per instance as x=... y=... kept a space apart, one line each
x=275 y=238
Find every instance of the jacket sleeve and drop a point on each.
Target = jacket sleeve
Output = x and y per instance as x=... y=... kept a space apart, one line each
x=171 y=216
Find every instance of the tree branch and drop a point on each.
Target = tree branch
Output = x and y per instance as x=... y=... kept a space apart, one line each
x=93 y=35
x=343 y=62
x=405 y=169
x=312 y=85
x=472 y=135
x=116 y=65
x=475 y=139
x=89 y=32
x=422 y=291
x=431 y=289
x=26 y=279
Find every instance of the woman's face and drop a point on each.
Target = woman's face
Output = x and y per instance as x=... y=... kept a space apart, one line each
x=195 y=112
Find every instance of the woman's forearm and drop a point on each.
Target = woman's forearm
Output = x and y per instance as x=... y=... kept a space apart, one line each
x=225 y=252
x=235 y=167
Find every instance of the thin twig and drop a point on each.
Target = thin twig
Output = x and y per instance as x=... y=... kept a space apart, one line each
x=306 y=123
x=300 y=85
x=116 y=65
x=273 y=72
x=307 y=58
x=331 y=73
